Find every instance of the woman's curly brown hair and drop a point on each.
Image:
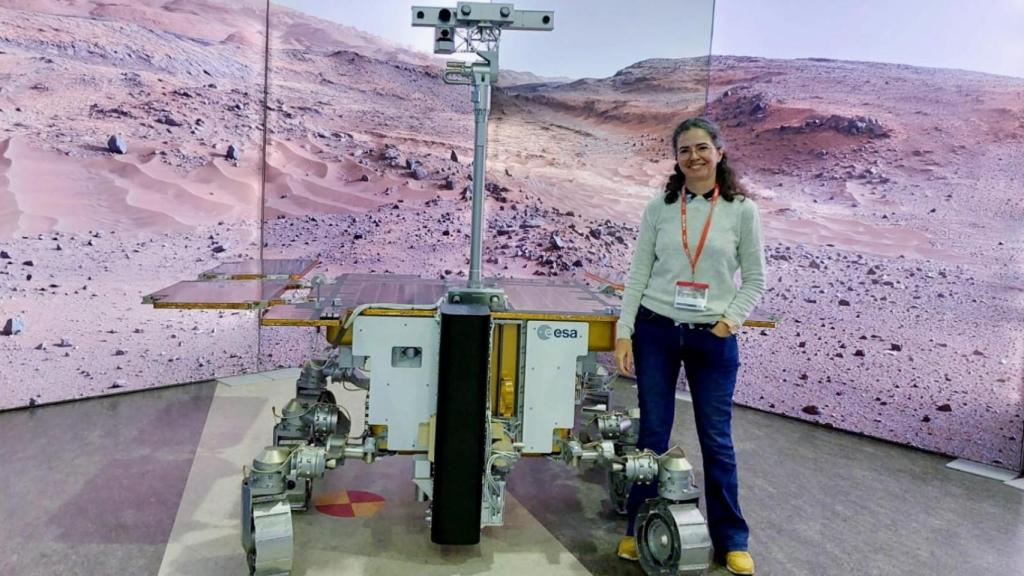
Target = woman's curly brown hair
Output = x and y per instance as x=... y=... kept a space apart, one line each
x=728 y=182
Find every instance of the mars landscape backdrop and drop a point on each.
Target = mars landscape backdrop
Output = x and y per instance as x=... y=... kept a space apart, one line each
x=890 y=196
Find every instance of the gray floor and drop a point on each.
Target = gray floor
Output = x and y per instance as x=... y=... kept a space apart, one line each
x=93 y=487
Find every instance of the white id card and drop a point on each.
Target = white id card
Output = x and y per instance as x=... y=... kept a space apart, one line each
x=692 y=296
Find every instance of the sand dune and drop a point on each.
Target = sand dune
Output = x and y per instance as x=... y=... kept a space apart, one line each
x=848 y=234
x=55 y=195
x=128 y=193
x=284 y=157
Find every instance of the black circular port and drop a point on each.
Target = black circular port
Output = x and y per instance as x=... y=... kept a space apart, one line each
x=444 y=15
x=546 y=19
x=445 y=33
x=291 y=484
x=420 y=15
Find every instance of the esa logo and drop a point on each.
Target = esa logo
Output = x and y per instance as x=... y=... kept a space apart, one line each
x=545 y=332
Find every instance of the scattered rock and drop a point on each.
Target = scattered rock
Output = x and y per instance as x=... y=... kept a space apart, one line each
x=120 y=352
x=944 y=408
x=32 y=402
x=419 y=173
x=117 y=145
x=855 y=126
x=843 y=302
x=364 y=178
x=392 y=156
x=811 y=409
x=895 y=347
x=168 y=120
x=455 y=157
x=233 y=153
x=64 y=343
x=42 y=346
x=449 y=183
x=4 y=255
x=218 y=249
x=556 y=242
x=13 y=326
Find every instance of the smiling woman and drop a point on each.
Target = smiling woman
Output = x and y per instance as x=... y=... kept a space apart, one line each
x=681 y=306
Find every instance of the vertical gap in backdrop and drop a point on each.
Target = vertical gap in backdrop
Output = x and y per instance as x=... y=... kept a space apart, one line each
x=263 y=172
x=682 y=384
x=1020 y=458
x=707 y=68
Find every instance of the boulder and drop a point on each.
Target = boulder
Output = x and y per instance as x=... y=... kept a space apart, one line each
x=117 y=144
x=13 y=326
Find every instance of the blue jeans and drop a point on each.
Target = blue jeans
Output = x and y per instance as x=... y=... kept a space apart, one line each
x=711 y=363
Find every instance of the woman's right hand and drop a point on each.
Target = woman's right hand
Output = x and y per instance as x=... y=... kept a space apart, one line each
x=624 y=356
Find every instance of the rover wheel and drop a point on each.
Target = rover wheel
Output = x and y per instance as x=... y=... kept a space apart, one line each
x=268 y=538
x=673 y=539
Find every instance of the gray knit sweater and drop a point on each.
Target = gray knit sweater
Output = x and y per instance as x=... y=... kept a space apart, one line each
x=735 y=242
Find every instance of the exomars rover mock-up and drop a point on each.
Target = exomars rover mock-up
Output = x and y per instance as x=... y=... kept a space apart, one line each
x=466 y=380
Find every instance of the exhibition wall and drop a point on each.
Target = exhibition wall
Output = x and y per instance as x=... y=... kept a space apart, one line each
x=888 y=191
x=349 y=115
x=88 y=226
x=370 y=161
x=893 y=253
x=891 y=196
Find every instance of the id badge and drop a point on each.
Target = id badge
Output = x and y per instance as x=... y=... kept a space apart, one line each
x=692 y=296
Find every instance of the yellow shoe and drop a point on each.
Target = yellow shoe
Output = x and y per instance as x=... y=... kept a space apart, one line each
x=739 y=562
x=627 y=549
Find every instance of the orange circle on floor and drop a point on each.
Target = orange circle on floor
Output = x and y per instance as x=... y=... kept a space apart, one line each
x=349 y=504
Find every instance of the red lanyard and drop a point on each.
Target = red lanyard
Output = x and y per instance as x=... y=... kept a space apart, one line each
x=703 y=237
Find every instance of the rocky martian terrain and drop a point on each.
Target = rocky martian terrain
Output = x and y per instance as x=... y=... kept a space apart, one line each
x=890 y=196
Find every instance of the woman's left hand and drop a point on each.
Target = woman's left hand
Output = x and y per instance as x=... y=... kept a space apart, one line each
x=721 y=329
